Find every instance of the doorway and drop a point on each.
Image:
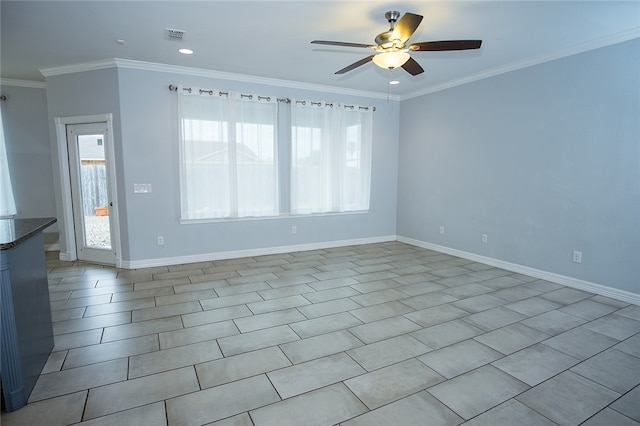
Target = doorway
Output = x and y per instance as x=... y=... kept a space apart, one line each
x=89 y=189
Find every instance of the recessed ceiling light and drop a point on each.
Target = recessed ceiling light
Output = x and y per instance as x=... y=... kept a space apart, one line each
x=185 y=51
x=394 y=82
x=120 y=41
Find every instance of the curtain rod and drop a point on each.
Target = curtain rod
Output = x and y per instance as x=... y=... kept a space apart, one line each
x=174 y=88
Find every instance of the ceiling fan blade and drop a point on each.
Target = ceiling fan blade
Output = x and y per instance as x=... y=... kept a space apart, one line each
x=412 y=67
x=355 y=65
x=406 y=26
x=439 y=46
x=341 y=43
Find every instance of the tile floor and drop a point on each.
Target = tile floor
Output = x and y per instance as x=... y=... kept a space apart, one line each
x=379 y=334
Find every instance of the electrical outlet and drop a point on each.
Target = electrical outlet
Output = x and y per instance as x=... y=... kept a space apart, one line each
x=485 y=238
x=577 y=257
x=160 y=240
x=442 y=230
x=294 y=229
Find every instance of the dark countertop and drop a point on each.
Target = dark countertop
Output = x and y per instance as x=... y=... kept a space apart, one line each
x=15 y=231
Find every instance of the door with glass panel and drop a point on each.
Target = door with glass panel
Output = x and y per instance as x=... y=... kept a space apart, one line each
x=91 y=192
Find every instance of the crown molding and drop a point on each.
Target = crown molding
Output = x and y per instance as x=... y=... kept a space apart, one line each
x=70 y=69
x=558 y=54
x=22 y=83
x=200 y=72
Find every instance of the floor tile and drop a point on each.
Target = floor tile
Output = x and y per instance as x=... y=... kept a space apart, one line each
x=632 y=312
x=151 y=414
x=377 y=297
x=229 y=369
x=234 y=300
x=237 y=344
x=468 y=290
x=242 y=419
x=510 y=413
x=185 y=296
x=54 y=362
x=511 y=338
x=409 y=411
x=630 y=346
x=292 y=290
x=628 y=404
x=220 y=402
x=277 y=304
x=141 y=328
x=319 y=346
x=59 y=411
x=436 y=315
x=615 y=326
x=479 y=303
x=201 y=333
x=381 y=311
x=610 y=417
x=588 y=309
x=327 y=308
x=109 y=351
x=215 y=315
x=327 y=406
x=614 y=369
x=428 y=300
x=566 y=296
x=383 y=329
x=477 y=391
x=493 y=318
x=170 y=359
x=166 y=311
x=568 y=399
x=580 y=342
x=83 y=324
x=310 y=375
x=330 y=283
x=553 y=322
x=391 y=383
x=138 y=392
x=535 y=364
x=78 y=379
x=114 y=307
x=446 y=333
x=387 y=352
x=325 y=324
x=270 y=319
x=460 y=358
x=76 y=340
x=533 y=306
x=331 y=294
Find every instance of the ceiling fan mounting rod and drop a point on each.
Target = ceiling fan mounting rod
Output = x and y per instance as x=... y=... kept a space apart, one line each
x=392 y=16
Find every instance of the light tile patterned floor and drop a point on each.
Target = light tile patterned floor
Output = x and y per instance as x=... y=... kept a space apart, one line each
x=386 y=334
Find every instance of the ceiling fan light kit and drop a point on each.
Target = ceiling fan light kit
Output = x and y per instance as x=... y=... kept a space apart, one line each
x=391 y=49
x=391 y=60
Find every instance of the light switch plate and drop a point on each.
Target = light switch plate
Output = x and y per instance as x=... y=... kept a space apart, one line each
x=141 y=188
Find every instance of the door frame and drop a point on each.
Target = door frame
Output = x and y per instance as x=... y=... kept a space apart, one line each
x=68 y=228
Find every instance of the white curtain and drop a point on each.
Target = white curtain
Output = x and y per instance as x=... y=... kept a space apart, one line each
x=330 y=158
x=7 y=202
x=228 y=166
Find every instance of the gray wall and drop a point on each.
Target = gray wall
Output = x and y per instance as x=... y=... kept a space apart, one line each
x=80 y=94
x=545 y=160
x=146 y=148
x=150 y=155
x=24 y=116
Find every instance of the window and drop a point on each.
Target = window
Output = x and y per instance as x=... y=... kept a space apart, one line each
x=235 y=160
x=228 y=157
x=330 y=159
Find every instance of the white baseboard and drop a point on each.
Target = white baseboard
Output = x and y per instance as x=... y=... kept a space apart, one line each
x=206 y=257
x=65 y=256
x=52 y=247
x=600 y=289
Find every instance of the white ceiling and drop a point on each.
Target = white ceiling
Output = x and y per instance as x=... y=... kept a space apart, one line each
x=272 y=38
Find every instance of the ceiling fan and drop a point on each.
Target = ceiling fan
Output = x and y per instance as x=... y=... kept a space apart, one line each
x=391 y=48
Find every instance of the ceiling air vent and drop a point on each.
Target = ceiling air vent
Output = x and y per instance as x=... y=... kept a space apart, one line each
x=173 y=34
